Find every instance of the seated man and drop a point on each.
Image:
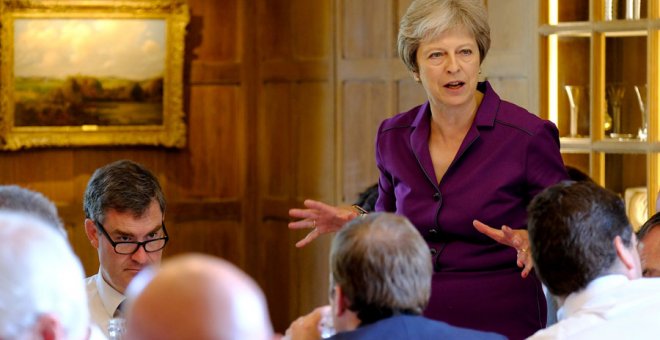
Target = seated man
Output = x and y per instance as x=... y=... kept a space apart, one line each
x=124 y=220
x=585 y=252
x=380 y=284
x=649 y=246
x=42 y=294
x=197 y=297
x=15 y=198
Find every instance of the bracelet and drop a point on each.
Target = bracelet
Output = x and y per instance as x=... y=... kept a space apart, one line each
x=359 y=209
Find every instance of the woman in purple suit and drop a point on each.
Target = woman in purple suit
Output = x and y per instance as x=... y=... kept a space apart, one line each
x=462 y=158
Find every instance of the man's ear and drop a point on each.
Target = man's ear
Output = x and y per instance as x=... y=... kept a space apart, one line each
x=627 y=257
x=340 y=301
x=49 y=328
x=92 y=232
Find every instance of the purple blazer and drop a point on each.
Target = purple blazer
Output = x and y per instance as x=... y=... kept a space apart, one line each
x=508 y=156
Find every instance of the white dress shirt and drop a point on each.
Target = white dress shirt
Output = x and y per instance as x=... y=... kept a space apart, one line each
x=610 y=307
x=103 y=301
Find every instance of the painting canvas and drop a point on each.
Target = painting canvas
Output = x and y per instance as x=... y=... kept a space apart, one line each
x=92 y=75
x=88 y=72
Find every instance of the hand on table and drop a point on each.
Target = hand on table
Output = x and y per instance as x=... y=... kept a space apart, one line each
x=518 y=239
x=321 y=218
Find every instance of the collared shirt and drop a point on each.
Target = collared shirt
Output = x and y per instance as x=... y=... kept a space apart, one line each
x=610 y=307
x=103 y=300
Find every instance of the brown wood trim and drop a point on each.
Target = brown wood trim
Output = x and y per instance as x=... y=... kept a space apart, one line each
x=205 y=72
x=286 y=70
x=175 y=212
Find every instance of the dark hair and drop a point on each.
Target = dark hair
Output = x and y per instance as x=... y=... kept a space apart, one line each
x=577 y=175
x=382 y=265
x=368 y=198
x=647 y=226
x=124 y=186
x=572 y=226
x=17 y=199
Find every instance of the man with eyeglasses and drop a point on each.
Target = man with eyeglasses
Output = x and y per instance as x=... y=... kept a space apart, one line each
x=124 y=220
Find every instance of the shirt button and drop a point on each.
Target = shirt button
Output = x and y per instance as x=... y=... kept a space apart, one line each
x=437 y=196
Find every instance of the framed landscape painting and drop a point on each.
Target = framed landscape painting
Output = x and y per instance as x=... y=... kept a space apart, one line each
x=83 y=73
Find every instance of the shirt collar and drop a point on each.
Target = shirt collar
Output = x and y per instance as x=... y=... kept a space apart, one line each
x=110 y=297
x=594 y=297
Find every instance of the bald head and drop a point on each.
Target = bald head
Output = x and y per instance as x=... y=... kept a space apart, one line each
x=199 y=297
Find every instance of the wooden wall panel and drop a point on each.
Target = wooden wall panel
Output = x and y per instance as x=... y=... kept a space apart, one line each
x=314 y=142
x=310 y=24
x=276 y=132
x=410 y=94
x=220 y=238
x=363 y=110
x=215 y=29
x=368 y=73
x=366 y=29
x=295 y=149
x=220 y=131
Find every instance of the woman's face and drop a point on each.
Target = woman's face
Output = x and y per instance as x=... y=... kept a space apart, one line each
x=449 y=68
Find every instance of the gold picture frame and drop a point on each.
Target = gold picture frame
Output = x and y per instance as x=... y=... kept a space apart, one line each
x=89 y=73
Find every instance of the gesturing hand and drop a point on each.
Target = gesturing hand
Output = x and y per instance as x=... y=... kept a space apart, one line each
x=321 y=218
x=518 y=239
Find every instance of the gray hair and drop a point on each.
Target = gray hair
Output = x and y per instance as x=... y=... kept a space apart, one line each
x=428 y=18
x=17 y=199
x=383 y=266
x=40 y=275
x=125 y=186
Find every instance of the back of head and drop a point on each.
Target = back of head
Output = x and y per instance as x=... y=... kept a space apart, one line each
x=17 y=199
x=572 y=226
x=124 y=186
x=382 y=265
x=426 y=19
x=199 y=297
x=40 y=275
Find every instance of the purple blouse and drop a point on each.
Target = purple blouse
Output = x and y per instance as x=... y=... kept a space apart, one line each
x=507 y=157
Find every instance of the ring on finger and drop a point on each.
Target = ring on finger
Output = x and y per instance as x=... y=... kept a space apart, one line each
x=314 y=224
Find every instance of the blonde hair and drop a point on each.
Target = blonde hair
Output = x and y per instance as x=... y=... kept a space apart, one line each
x=428 y=18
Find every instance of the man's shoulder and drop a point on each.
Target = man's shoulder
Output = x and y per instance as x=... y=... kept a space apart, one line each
x=414 y=327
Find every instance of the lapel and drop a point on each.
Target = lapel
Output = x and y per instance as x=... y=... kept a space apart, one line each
x=419 y=142
x=419 y=137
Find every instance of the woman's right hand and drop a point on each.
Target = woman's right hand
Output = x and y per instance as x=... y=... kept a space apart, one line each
x=321 y=218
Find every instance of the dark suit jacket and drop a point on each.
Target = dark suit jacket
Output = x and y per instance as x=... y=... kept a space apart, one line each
x=413 y=327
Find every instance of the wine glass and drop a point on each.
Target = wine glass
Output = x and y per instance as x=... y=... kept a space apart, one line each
x=640 y=92
x=574 y=93
x=615 y=94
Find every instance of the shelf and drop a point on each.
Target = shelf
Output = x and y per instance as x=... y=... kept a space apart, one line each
x=568 y=28
x=575 y=145
x=600 y=77
x=611 y=145
x=610 y=28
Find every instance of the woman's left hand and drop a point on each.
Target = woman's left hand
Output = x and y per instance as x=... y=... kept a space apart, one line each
x=518 y=239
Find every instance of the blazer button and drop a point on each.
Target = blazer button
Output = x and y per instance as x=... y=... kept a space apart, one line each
x=433 y=251
x=437 y=196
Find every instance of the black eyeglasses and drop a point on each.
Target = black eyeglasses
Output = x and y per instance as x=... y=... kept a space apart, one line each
x=128 y=248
